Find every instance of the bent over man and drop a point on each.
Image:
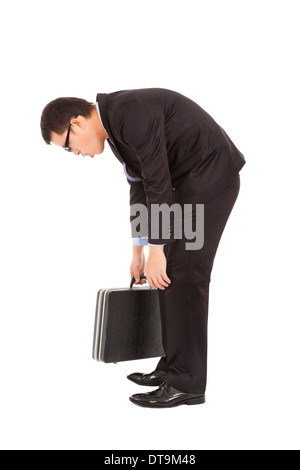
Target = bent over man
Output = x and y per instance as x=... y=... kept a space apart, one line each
x=172 y=152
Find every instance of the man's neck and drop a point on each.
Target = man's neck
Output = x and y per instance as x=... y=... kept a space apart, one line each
x=98 y=124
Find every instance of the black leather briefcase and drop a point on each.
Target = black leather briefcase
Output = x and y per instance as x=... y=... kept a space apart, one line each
x=127 y=324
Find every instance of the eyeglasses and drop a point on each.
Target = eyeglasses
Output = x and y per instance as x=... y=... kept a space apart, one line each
x=66 y=146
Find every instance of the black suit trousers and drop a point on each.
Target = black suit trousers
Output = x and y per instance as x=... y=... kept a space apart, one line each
x=184 y=304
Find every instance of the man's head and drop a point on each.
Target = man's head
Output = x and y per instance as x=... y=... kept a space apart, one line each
x=73 y=122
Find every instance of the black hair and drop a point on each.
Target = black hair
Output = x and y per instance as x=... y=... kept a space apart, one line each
x=57 y=114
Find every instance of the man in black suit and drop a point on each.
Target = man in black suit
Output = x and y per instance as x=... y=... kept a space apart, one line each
x=172 y=152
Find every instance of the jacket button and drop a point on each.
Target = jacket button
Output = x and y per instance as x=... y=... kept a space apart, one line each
x=173 y=189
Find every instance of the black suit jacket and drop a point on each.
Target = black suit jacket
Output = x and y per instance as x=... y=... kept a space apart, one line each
x=177 y=149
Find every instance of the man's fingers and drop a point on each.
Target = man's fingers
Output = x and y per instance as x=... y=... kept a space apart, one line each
x=159 y=283
x=151 y=282
x=163 y=281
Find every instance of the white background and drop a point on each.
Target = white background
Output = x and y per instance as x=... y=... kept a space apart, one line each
x=59 y=244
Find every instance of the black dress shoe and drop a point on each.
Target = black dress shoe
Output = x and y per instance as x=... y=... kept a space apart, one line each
x=155 y=379
x=167 y=397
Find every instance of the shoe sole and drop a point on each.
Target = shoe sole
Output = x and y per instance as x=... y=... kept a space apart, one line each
x=192 y=401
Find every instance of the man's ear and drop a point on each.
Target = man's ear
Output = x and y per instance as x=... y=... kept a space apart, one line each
x=79 y=121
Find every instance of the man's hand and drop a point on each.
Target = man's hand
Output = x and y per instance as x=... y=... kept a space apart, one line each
x=137 y=267
x=156 y=268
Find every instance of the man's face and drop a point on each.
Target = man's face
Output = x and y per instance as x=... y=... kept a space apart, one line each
x=86 y=137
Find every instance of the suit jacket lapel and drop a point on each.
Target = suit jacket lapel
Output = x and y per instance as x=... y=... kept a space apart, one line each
x=115 y=151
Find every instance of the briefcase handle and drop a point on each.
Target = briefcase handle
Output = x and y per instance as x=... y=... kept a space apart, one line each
x=133 y=280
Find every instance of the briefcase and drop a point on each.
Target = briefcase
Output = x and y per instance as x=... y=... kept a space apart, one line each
x=127 y=324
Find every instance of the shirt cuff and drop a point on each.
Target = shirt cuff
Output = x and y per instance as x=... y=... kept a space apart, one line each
x=140 y=241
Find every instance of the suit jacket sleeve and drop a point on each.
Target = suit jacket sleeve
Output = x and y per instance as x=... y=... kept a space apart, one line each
x=137 y=196
x=143 y=129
